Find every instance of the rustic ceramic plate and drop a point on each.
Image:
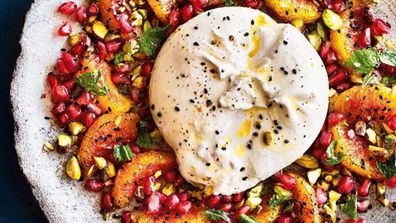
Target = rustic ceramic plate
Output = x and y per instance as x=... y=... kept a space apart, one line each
x=61 y=199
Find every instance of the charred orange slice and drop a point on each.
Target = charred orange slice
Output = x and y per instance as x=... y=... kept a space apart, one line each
x=113 y=101
x=267 y=214
x=162 y=9
x=108 y=12
x=289 y=10
x=104 y=133
x=196 y=215
x=142 y=166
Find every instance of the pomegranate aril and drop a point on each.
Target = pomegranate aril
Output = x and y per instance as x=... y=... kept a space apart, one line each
x=148 y=185
x=212 y=201
x=126 y=217
x=254 y=4
x=72 y=64
x=364 y=188
x=225 y=207
x=78 y=50
x=123 y=68
x=198 y=5
x=88 y=118
x=363 y=205
x=331 y=68
x=153 y=204
x=84 y=99
x=119 y=78
x=63 y=119
x=187 y=13
x=60 y=93
x=330 y=57
x=174 y=18
x=326 y=138
x=358 y=220
x=135 y=149
x=226 y=198
x=335 y=5
x=340 y=76
x=65 y=29
x=61 y=67
x=343 y=87
x=106 y=202
x=125 y=25
x=346 y=185
x=81 y=15
x=52 y=80
x=380 y=27
x=184 y=207
x=334 y=118
x=170 y=176
x=172 y=201
x=74 y=112
x=94 y=108
x=184 y=196
x=391 y=182
x=93 y=9
x=146 y=69
x=364 y=38
x=392 y=123
x=102 y=51
x=284 y=219
x=113 y=46
x=58 y=108
x=94 y=185
x=325 y=48
x=236 y=198
x=68 y=8
x=387 y=69
x=242 y=210
x=161 y=196
x=321 y=195
x=288 y=182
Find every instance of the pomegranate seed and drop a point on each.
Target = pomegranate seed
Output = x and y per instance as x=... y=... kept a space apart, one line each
x=330 y=57
x=63 y=119
x=148 y=185
x=343 y=87
x=346 y=185
x=119 y=78
x=172 y=201
x=226 y=198
x=392 y=123
x=84 y=99
x=106 y=202
x=72 y=64
x=336 y=5
x=338 y=77
x=364 y=38
x=102 y=50
x=74 y=112
x=225 y=207
x=65 y=29
x=125 y=25
x=334 y=118
x=212 y=201
x=153 y=204
x=358 y=220
x=364 y=188
x=363 y=205
x=380 y=27
x=81 y=15
x=58 y=108
x=94 y=185
x=146 y=69
x=391 y=182
x=135 y=149
x=161 y=196
x=68 y=8
x=61 y=67
x=94 y=108
x=331 y=68
x=184 y=196
x=242 y=210
x=321 y=195
x=170 y=176
x=254 y=4
x=78 y=49
x=88 y=119
x=288 y=182
x=326 y=138
x=387 y=69
x=69 y=84
x=60 y=93
x=283 y=219
x=52 y=80
x=174 y=18
x=325 y=48
x=187 y=13
x=126 y=217
x=113 y=46
x=123 y=68
x=198 y=5
x=179 y=180
x=184 y=207
x=93 y=9
x=237 y=197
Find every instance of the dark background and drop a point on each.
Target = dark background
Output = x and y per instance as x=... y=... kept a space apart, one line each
x=17 y=203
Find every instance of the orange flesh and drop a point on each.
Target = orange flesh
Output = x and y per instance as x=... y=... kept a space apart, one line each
x=289 y=10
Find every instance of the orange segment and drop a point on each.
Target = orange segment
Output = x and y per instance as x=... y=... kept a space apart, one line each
x=289 y=10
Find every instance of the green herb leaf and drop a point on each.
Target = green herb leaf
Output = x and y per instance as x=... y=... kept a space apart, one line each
x=229 y=3
x=320 y=28
x=151 y=40
x=247 y=219
x=217 y=215
x=388 y=57
x=144 y=139
x=277 y=200
x=388 y=169
x=389 y=80
x=332 y=158
x=123 y=153
x=118 y=58
x=350 y=206
x=369 y=79
x=93 y=83
x=364 y=60
x=390 y=142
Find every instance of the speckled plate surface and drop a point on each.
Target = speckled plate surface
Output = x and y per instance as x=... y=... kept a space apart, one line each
x=61 y=199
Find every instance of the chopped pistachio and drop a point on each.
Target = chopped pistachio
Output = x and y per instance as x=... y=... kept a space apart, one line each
x=267 y=138
x=99 y=29
x=336 y=180
x=298 y=23
x=256 y=191
x=100 y=162
x=168 y=189
x=90 y=171
x=146 y=26
x=323 y=184
x=381 y=189
x=142 y=12
x=328 y=178
x=356 y=78
x=73 y=39
x=208 y=191
x=73 y=169
x=64 y=140
x=111 y=37
x=156 y=135
x=383 y=201
x=48 y=146
x=332 y=92
x=138 y=82
x=313 y=175
x=131 y=47
x=137 y=19
x=331 y=19
x=331 y=213
x=157 y=185
x=330 y=172
x=282 y=192
x=315 y=39
x=376 y=149
x=333 y=198
x=76 y=128
x=360 y=128
x=158 y=174
x=372 y=136
x=390 y=141
x=91 y=19
x=308 y=161
x=109 y=171
x=253 y=202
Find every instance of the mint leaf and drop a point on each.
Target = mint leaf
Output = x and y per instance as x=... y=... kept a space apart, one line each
x=217 y=215
x=332 y=158
x=123 y=153
x=364 y=60
x=388 y=57
x=151 y=40
x=229 y=3
x=144 y=139
x=388 y=169
x=389 y=80
x=247 y=219
x=93 y=83
x=118 y=59
x=350 y=206
x=277 y=200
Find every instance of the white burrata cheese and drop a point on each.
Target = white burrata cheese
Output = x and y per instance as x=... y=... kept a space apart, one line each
x=238 y=97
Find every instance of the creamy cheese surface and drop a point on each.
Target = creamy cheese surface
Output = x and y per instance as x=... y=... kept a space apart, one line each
x=238 y=97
